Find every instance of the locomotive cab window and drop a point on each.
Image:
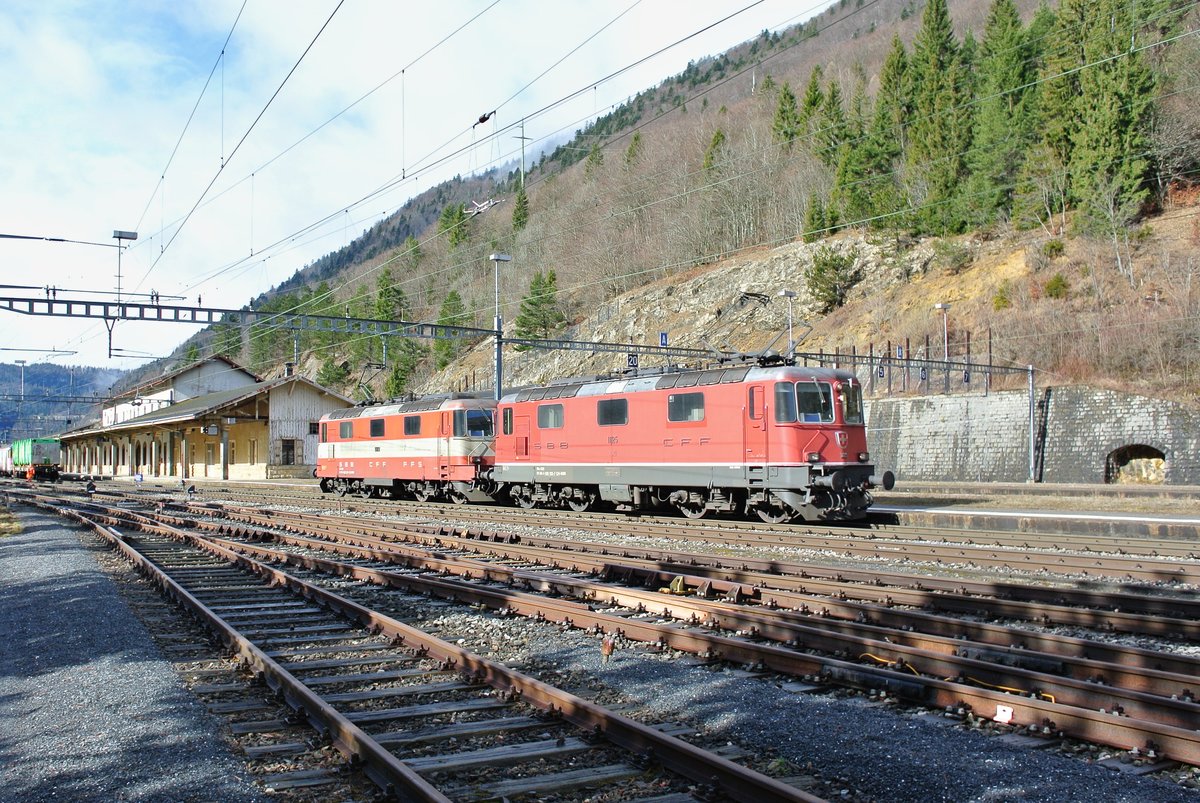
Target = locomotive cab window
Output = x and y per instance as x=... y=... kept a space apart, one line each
x=550 y=416
x=785 y=403
x=612 y=412
x=472 y=424
x=685 y=407
x=814 y=400
x=346 y=430
x=508 y=425
x=806 y=402
x=412 y=425
x=376 y=427
x=850 y=395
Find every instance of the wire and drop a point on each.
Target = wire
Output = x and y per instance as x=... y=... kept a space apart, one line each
x=171 y=159
x=241 y=141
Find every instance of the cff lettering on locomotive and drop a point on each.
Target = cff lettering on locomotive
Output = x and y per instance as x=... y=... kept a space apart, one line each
x=778 y=442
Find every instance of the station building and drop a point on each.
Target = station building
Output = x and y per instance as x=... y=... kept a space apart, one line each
x=210 y=420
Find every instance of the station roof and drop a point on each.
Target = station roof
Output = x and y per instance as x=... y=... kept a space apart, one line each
x=201 y=406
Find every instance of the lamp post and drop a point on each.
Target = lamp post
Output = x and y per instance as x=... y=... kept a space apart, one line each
x=496 y=260
x=945 y=307
x=22 y=364
x=789 y=295
x=120 y=237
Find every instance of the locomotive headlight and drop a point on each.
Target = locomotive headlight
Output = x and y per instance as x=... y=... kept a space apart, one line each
x=814 y=457
x=864 y=457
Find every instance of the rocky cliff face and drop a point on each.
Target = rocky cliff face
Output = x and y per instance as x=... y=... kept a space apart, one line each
x=733 y=305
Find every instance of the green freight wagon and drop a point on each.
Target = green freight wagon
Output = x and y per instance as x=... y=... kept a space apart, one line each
x=43 y=455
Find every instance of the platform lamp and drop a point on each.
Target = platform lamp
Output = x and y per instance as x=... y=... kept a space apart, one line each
x=496 y=259
x=945 y=307
x=120 y=237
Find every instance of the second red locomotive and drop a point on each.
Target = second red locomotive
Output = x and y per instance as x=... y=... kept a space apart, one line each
x=779 y=442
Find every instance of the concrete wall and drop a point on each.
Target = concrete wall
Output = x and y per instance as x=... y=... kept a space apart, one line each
x=986 y=438
x=960 y=438
x=1085 y=425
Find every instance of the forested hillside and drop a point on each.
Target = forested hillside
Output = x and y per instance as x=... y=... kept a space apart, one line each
x=1066 y=132
x=44 y=399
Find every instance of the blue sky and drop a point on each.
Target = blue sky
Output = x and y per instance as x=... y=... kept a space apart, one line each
x=97 y=95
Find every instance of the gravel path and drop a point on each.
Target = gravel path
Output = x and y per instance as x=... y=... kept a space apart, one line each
x=89 y=711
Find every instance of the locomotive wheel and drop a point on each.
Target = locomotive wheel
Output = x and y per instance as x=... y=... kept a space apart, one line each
x=580 y=504
x=693 y=510
x=524 y=501
x=423 y=493
x=342 y=488
x=774 y=514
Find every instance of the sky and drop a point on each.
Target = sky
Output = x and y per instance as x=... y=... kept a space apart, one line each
x=239 y=139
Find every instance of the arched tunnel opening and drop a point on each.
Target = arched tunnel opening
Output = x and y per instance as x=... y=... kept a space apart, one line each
x=1135 y=463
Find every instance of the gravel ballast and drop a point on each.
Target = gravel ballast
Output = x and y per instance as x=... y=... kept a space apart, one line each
x=89 y=710
x=869 y=750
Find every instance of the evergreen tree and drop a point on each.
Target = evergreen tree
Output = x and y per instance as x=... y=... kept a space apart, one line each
x=853 y=197
x=860 y=106
x=1003 y=126
x=832 y=127
x=391 y=302
x=634 y=151
x=815 y=222
x=887 y=137
x=520 y=217
x=227 y=340
x=786 y=125
x=333 y=374
x=814 y=99
x=1060 y=77
x=540 y=315
x=452 y=313
x=595 y=160
x=404 y=365
x=888 y=130
x=831 y=277
x=937 y=136
x=712 y=153
x=453 y=223
x=1109 y=164
x=410 y=251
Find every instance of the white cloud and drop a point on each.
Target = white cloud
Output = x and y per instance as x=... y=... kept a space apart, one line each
x=98 y=92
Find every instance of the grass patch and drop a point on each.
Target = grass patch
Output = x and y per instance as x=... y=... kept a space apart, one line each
x=8 y=524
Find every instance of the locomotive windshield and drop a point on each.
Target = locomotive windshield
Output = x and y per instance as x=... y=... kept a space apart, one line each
x=852 y=406
x=807 y=402
x=472 y=423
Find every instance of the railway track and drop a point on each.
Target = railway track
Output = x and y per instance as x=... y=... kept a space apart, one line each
x=427 y=720
x=1136 y=699
x=1124 y=558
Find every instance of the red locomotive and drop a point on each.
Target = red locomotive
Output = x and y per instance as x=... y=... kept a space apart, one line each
x=781 y=442
x=778 y=442
x=426 y=449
